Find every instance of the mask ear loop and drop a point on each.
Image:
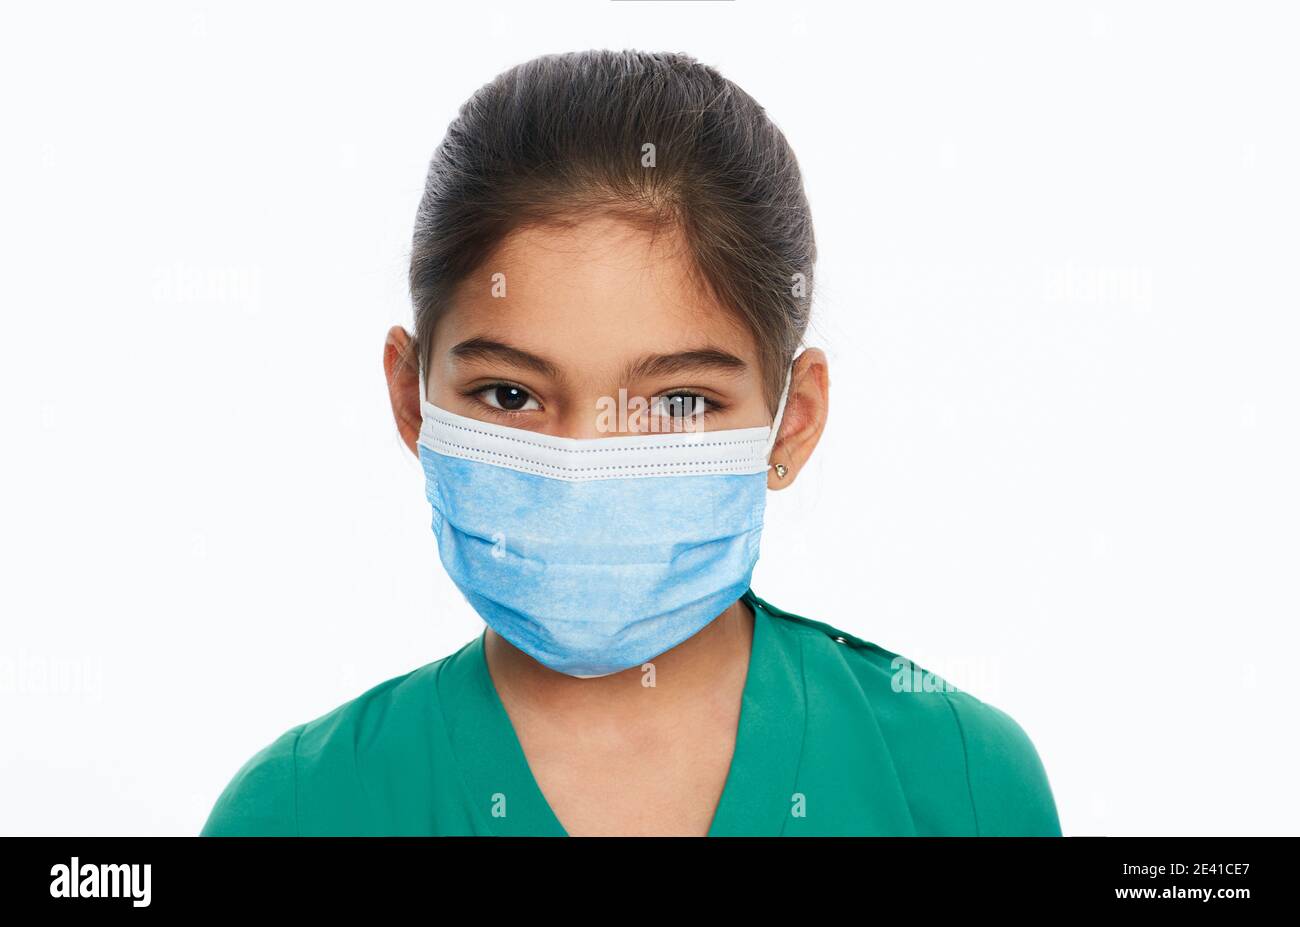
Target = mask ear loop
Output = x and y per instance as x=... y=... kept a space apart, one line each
x=780 y=412
x=420 y=383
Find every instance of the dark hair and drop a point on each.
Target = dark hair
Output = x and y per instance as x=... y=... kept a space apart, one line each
x=559 y=138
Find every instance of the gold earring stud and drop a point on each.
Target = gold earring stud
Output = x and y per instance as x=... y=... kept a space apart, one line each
x=781 y=471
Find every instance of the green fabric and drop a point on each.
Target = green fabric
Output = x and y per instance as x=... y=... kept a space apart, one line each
x=826 y=745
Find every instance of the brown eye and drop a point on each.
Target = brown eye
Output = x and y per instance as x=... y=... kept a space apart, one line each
x=508 y=398
x=681 y=405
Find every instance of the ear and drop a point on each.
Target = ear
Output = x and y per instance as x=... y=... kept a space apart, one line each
x=804 y=417
x=403 y=376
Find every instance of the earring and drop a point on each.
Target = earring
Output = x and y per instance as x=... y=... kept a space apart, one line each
x=781 y=471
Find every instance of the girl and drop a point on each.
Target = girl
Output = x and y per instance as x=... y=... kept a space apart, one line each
x=611 y=275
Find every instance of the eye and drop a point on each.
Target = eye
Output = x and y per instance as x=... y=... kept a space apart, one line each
x=507 y=397
x=680 y=405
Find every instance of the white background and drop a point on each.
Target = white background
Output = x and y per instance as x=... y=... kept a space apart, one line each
x=1057 y=286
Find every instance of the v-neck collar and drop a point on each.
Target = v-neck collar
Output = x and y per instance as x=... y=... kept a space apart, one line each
x=756 y=798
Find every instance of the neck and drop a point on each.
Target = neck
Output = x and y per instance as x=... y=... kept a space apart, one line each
x=714 y=660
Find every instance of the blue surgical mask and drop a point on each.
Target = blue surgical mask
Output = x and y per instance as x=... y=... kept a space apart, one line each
x=595 y=555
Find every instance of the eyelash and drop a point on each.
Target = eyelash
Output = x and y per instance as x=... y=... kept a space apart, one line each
x=478 y=391
x=710 y=407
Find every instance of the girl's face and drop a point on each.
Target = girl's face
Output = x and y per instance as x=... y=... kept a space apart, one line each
x=559 y=320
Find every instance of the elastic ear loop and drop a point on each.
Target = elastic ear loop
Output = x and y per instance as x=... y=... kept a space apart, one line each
x=421 y=385
x=780 y=412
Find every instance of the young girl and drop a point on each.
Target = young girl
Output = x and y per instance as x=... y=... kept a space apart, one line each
x=611 y=276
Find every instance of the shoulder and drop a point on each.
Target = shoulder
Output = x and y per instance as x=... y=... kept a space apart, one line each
x=260 y=799
x=1009 y=787
x=990 y=766
x=266 y=796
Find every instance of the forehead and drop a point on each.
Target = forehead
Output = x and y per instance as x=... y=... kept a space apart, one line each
x=591 y=296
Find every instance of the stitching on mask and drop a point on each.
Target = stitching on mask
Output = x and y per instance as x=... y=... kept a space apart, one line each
x=595 y=450
x=470 y=455
x=638 y=466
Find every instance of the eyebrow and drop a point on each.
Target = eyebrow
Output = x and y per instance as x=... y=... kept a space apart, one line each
x=479 y=349
x=652 y=365
x=698 y=360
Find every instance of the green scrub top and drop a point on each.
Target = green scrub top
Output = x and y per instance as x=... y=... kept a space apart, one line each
x=835 y=738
